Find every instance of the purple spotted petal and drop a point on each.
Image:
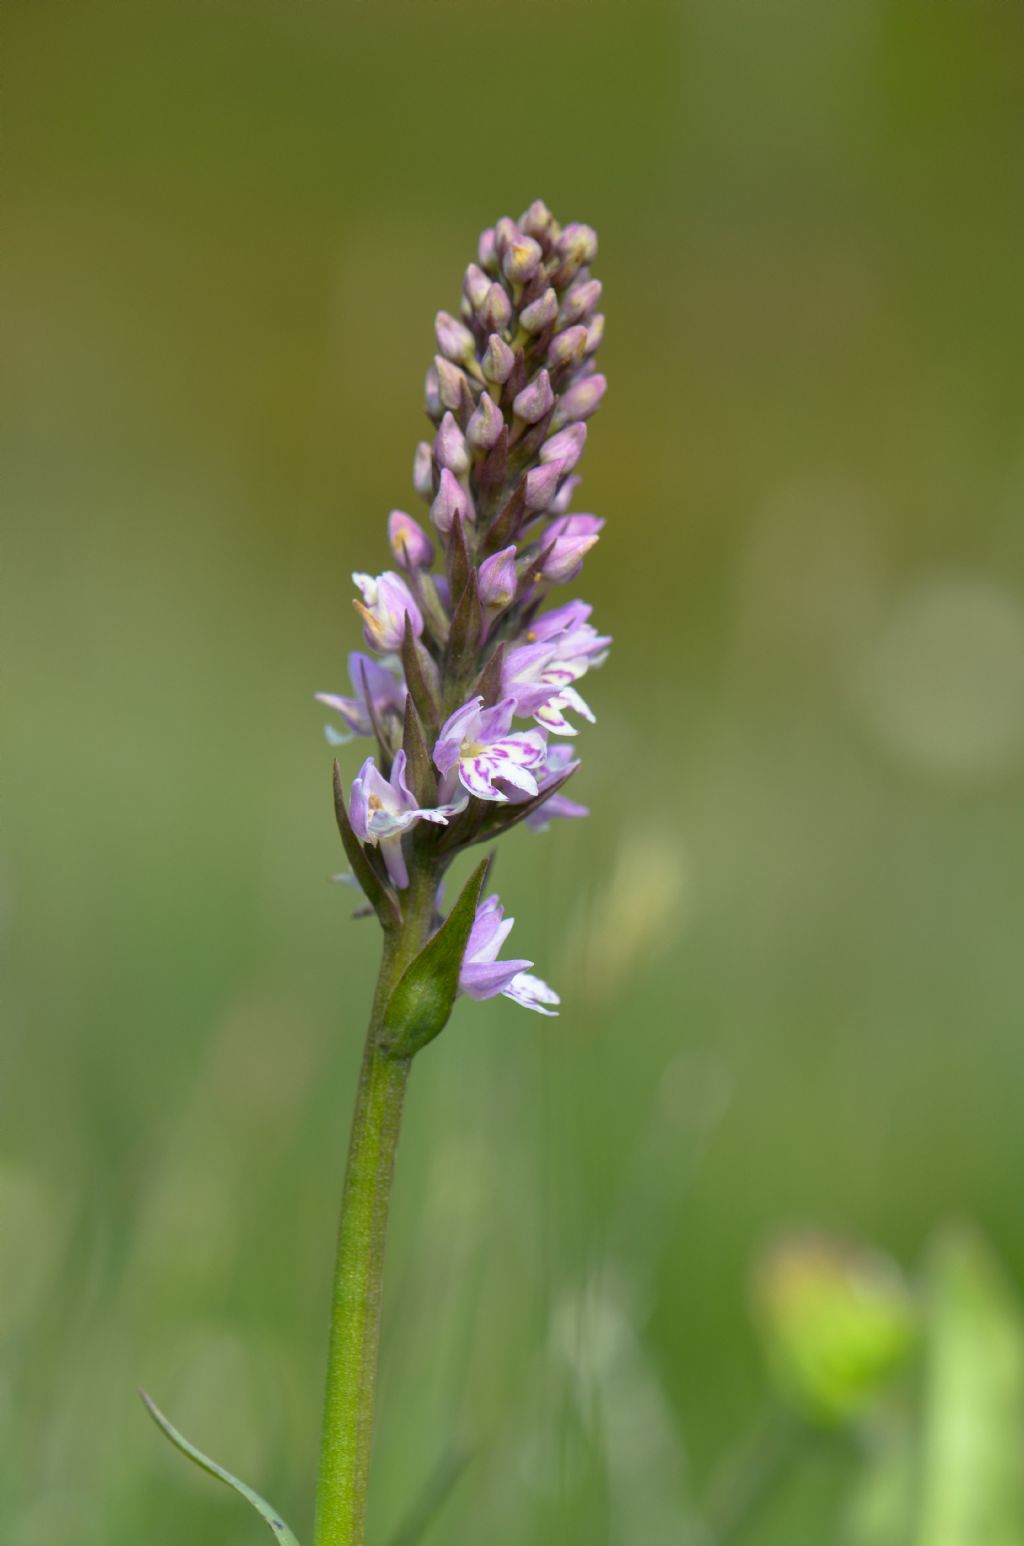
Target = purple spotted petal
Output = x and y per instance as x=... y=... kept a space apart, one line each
x=532 y=993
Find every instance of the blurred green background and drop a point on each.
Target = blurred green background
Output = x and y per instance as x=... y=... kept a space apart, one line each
x=789 y=939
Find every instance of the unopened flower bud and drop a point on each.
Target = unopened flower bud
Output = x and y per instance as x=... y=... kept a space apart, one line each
x=538 y=220
x=595 y=334
x=450 y=380
x=452 y=500
x=564 y=557
x=475 y=286
x=496 y=312
x=450 y=446
x=486 y=423
x=423 y=470
x=580 y=301
x=487 y=251
x=581 y=400
x=540 y=313
x=409 y=542
x=563 y=499
x=506 y=232
x=567 y=347
x=522 y=259
x=575 y=526
x=535 y=400
x=565 y=447
x=453 y=337
x=498 y=360
x=578 y=243
x=432 y=393
x=497 y=579
x=541 y=483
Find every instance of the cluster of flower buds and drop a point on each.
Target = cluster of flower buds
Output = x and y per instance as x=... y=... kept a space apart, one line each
x=461 y=646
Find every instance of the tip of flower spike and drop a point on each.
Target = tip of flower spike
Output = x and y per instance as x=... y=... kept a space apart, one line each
x=537 y=221
x=522 y=258
x=487 y=251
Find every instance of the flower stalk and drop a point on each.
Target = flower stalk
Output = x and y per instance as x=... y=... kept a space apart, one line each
x=347 y=1433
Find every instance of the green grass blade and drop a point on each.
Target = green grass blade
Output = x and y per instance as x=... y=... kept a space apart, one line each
x=262 y=1507
x=972 y=1473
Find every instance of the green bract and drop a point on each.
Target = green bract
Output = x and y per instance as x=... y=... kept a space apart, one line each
x=422 y=1001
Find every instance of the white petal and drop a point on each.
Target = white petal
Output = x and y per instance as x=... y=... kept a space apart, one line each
x=532 y=993
x=518 y=777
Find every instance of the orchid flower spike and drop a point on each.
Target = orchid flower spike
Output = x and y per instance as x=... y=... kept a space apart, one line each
x=472 y=687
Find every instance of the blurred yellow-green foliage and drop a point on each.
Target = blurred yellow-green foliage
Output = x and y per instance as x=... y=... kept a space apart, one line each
x=789 y=939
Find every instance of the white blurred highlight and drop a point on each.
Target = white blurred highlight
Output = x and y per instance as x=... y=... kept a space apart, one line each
x=942 y=685
x=633 y=919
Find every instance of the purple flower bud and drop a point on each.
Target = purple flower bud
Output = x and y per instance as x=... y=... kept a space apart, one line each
x=521 y=259
x=475 y=286
x=497 y=579
x=453 y=338
x=565 y=447
x=498 y=360
x=538 y=220
x=540 y=313
x=452 y=500
x=432 y=394
x=449 y=382
x=563 y=499
x=423 y=470
x=409 y=542
x=580 y=301
x=574 y=526
x=535 y=400
x=450 y=446
x=581 y=400
x=487 y=251
x=541 y=483
x=595 y=334
x=564 y=557
x=505 y=233
x=486 y=423
x=578 y=243
x=496 y=313
x=567 y=347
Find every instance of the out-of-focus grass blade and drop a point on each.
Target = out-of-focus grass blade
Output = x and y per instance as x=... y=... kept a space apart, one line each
x=882 y=1509
x=972 y=1455
x=440 y=1485
x=262 y=1507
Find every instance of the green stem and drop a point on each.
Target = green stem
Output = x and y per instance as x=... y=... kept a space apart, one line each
x=355 y=1310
